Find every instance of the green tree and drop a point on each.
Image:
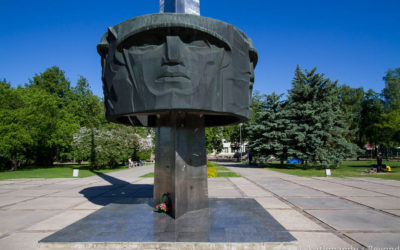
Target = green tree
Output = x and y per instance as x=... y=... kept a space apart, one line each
x=52 y=100
x=53 y=127
x=232 y=134
x=54 y=81
x=214 y=136
x=15 y=133
x=391 y=92
x=350 y=102
x=268 y=134
x=389 y=127
x=372 y=110
x=317 y=128
x=87 y=107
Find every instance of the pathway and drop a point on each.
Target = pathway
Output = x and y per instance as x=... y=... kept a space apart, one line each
x=321 y=213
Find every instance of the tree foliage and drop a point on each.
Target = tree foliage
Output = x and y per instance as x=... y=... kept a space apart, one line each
x=108 y=146
x=232 y=134
x=372 y=109
x=38 y=121
x=391 y=92
x=214 y=136
x=269 y=134
x=309 y=125
x=317 y=125
x=351 y=103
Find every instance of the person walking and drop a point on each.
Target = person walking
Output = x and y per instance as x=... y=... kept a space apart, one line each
x=130 y=163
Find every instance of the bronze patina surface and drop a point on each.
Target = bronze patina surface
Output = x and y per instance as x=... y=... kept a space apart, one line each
x=158 y=63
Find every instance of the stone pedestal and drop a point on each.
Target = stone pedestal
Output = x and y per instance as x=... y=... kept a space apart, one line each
x=180 y=168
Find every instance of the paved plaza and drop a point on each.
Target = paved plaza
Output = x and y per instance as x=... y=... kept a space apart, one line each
x=321 y=213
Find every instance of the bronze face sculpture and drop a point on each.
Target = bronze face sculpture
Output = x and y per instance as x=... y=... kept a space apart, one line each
x=179 y=73
x=163 y=62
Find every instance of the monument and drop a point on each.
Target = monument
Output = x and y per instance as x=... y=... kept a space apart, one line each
x=178 y=73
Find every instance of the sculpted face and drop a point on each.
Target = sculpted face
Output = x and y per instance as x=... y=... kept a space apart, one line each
x=162 y=63
x=173 y=63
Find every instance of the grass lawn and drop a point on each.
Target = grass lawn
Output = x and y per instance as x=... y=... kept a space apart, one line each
x=219 y=167
x=228 y=174
x=64 y=171
x=346 y=169
x=149 y=175
x=215 y=165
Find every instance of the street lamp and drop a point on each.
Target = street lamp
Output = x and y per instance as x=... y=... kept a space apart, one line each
x=240 y=129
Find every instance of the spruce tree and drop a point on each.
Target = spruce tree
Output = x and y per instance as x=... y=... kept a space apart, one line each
x=268 y=133
x=317 y=128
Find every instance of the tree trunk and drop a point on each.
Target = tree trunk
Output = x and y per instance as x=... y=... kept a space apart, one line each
x=282 y=163
x=93 y=159
x=14 y=162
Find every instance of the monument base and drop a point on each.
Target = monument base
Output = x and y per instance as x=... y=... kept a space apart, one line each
x=239 y=223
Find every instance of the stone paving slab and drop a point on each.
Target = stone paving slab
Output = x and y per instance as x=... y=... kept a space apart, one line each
x=350 y=192
x=378 y=240
x=293 y=220
x=318 y=184
x=4 y=191
x=323 y=203
x=56 y=186
x=94 y=205
x=357 y=183
x=224 y=194
x=22 y=186
x=12 y=220
x=393 y=211
x=298 y=192
x=378 y=202
x=380 y=181
x=9 y=200
x=271 y=202
x=320 y=240
x=361 y=220
x=60 y=221
x=8 y=182
x=22 y=241
x=48 y=203
x=32 y=192
x=76 y=192
x=389 y=191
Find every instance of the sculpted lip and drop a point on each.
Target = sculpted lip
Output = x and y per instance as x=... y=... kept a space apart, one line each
x=172 y=72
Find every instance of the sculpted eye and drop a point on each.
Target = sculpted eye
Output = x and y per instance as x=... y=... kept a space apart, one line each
x=147 y=40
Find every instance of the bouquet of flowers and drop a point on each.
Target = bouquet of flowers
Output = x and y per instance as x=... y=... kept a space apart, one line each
x=164 y=205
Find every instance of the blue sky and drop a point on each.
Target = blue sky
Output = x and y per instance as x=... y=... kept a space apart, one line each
x=354 y=42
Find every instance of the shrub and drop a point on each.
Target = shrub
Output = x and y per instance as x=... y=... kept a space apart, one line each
x=211 y=172
x=107 y=146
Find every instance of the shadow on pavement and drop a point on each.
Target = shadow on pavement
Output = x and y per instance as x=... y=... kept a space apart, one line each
x=119 y=191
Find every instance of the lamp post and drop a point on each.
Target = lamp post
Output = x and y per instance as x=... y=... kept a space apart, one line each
x=240 y=129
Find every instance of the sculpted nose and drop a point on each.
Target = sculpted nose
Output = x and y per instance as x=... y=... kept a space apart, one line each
x=173 y=49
